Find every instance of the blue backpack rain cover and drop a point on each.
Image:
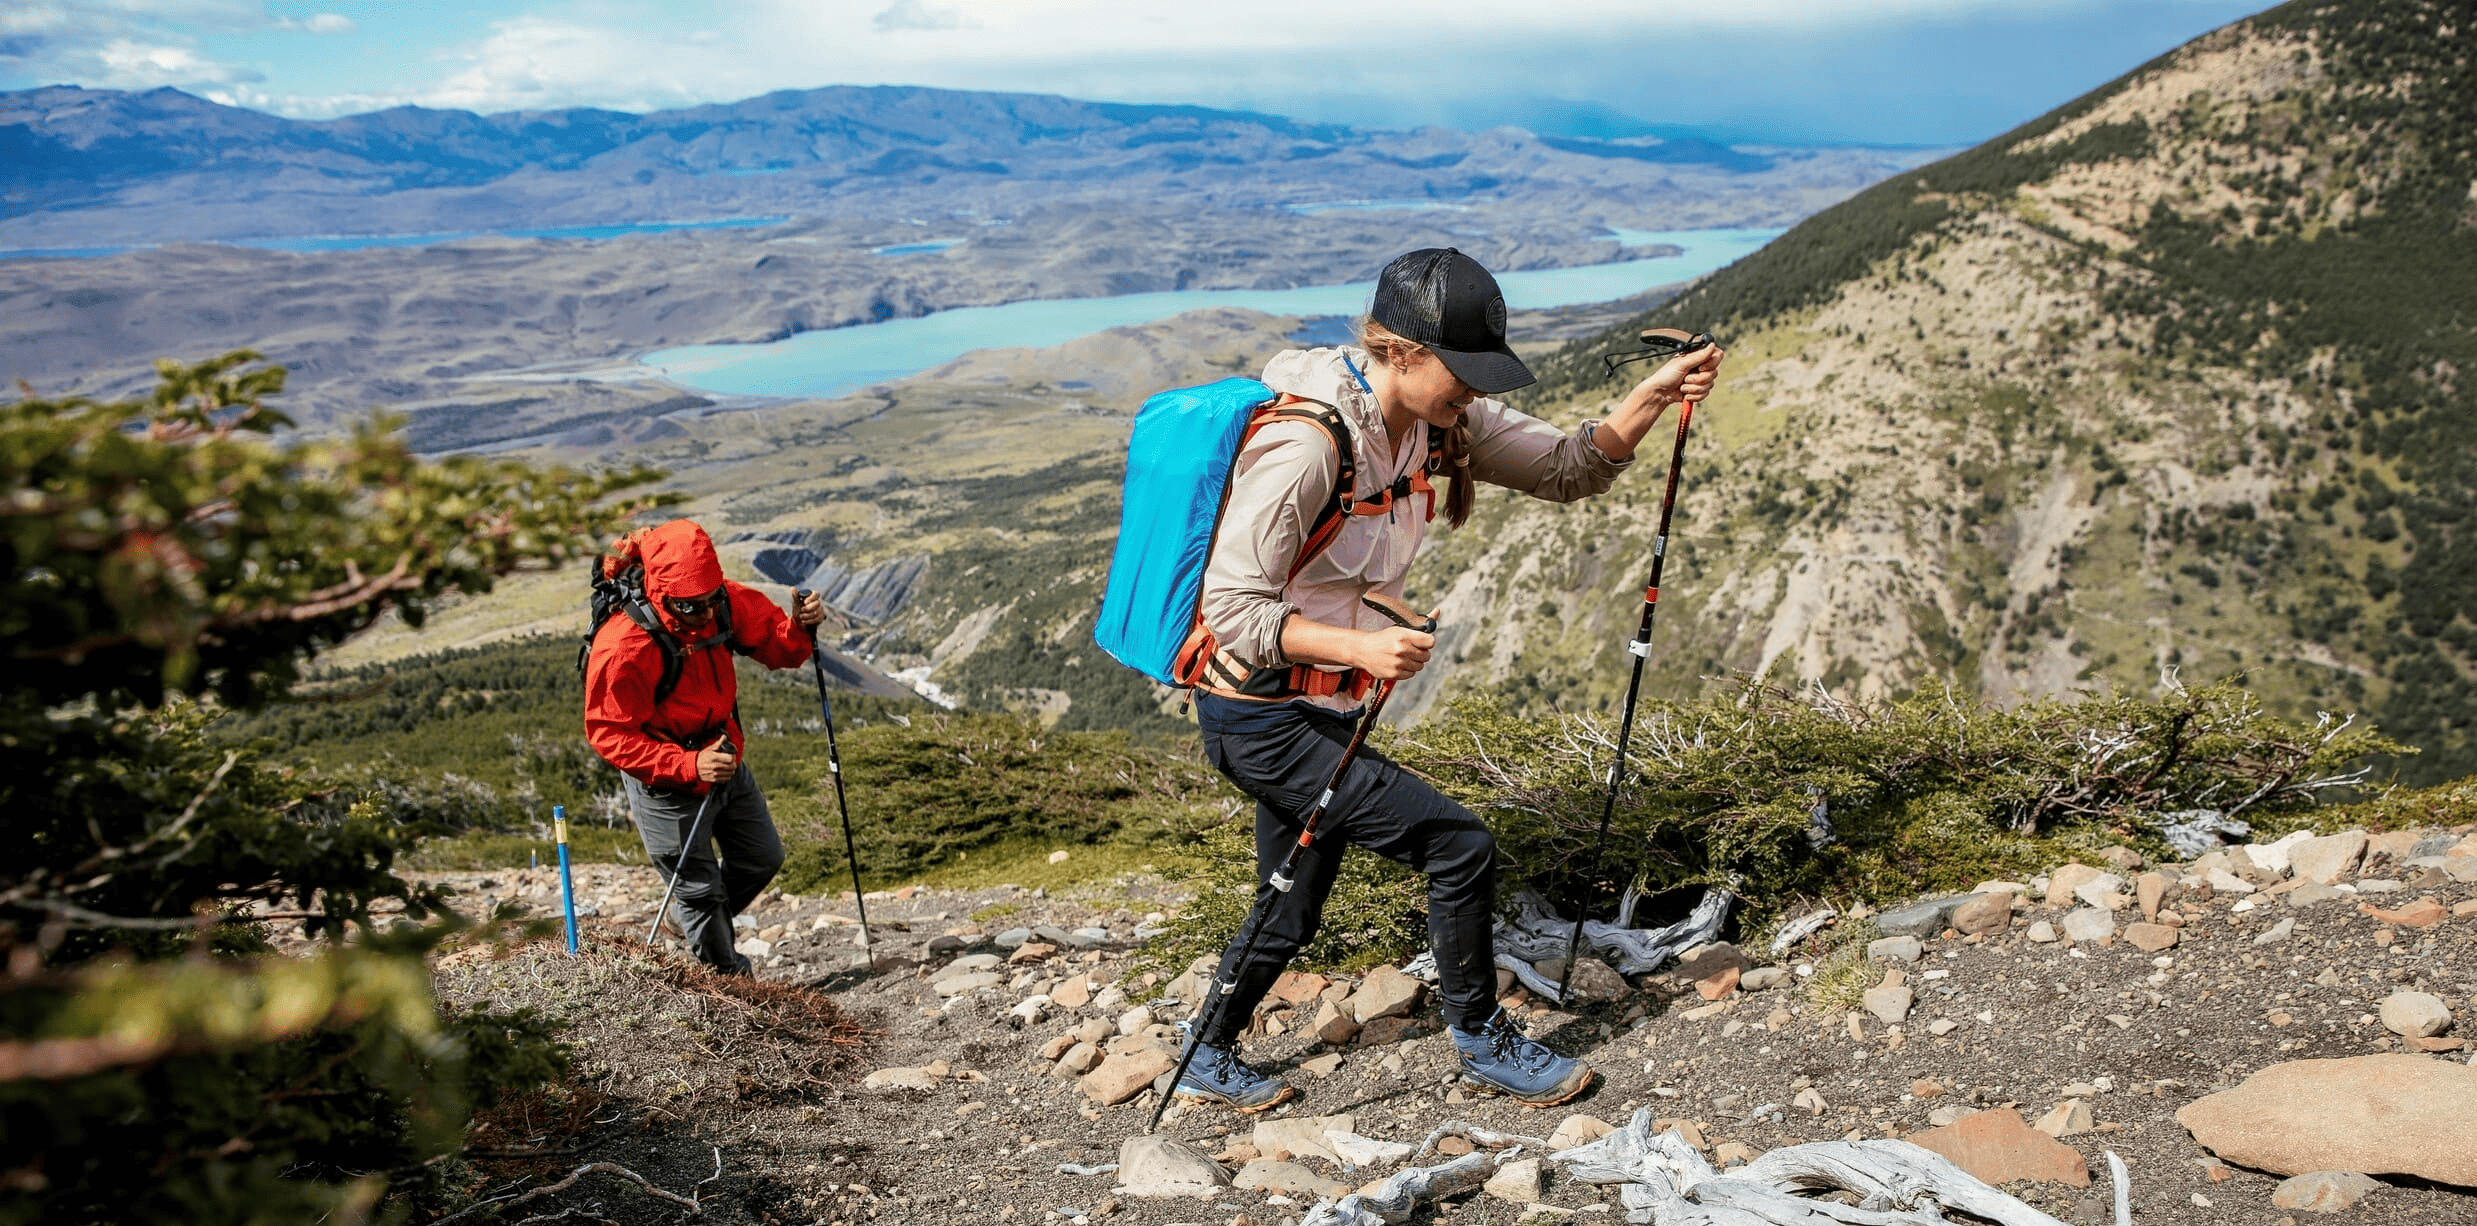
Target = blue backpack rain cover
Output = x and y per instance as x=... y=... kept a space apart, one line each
x=1179 y=458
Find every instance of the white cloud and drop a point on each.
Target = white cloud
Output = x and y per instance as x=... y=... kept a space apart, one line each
x=134 y=44
x=129 y=64
x=1417 y=58
x=919 y=15
x=318 y=23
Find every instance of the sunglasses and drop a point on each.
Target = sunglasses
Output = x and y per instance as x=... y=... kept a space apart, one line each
x=694 y=606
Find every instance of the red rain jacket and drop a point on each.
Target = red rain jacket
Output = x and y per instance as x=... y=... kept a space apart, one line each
x=657 y=744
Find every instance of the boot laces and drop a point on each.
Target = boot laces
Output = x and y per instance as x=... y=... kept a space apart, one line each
x=1225 y=1068
x=1507 y=1045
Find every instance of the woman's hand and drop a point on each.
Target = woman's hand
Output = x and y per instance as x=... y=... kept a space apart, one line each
x=1688 y=376
x=1393 y=653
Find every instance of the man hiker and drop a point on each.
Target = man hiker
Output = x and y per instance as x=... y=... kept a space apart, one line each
x=676 y=743
x=1293 y=648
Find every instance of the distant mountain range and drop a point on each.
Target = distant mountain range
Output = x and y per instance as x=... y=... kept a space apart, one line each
x=86 y=168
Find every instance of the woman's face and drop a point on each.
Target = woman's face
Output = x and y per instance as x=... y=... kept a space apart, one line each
x=1430 y=392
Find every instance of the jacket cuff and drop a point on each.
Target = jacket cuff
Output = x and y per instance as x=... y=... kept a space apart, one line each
x=1261 y=644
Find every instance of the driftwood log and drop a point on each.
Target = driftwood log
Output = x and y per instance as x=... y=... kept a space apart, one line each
x=1662 y=1180
x=1535 y=934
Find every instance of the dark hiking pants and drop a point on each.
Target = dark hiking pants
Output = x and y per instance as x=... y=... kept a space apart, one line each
x=1281 y=754
x=738 y=827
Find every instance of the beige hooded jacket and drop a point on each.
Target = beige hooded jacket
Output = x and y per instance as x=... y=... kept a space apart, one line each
x=1286 y=473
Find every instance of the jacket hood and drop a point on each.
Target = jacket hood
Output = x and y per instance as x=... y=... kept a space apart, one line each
x=1323 y=375
x=679 y=561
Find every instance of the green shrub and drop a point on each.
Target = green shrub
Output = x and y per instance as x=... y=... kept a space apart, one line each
x=930 y=791
x=1926 y=794
x=155 y=1063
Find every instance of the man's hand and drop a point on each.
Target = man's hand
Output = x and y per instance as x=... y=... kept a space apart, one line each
x=808 y=611
x=716 y=762
x=1394 y=653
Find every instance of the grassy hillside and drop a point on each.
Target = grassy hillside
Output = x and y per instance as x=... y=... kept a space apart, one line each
x=2169 y=380
x=473 y=746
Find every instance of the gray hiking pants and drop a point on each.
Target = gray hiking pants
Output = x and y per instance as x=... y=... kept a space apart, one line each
x=738 y=827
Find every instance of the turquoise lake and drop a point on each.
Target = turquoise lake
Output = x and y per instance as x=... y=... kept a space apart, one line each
x=844 y=360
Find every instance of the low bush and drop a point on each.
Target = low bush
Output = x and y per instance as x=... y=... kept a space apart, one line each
x=1787 y=797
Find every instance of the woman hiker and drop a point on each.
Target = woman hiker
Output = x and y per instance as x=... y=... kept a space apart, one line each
x=1293 y=652
x=675 y=747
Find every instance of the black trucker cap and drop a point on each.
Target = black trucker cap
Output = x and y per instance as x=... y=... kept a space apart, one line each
x=1444 y=300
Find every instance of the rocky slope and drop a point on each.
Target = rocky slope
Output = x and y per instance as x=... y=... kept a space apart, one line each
x=2168 y=381
x=2025 y=1031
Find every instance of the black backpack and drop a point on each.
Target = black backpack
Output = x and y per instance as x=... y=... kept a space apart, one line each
x=625 y=593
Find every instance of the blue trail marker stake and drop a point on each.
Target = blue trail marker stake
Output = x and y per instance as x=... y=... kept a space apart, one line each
x=567 y=882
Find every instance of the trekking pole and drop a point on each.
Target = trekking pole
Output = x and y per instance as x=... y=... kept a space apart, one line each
x=1660 y=342
x=567 y=881
x=1284 y=877
x=834 y=767
x=696 y=831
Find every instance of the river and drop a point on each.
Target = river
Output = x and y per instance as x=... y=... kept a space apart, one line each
x=843 y=360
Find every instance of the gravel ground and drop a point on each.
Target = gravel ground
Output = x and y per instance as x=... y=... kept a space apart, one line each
x=690 y=1072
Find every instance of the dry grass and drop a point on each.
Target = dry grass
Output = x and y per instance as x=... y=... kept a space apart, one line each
x=655 y=1029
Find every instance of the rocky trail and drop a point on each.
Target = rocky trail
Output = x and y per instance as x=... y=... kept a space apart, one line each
x=2302 y=1008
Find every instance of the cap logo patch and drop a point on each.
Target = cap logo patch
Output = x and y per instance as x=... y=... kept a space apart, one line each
x=1496 y=315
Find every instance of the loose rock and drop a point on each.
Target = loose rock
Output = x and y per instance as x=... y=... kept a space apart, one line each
x=2089 y=924
x=1164 y=1166
x=2042 y=932
x=1997 y=1147
x=2423 y=913
x=2151 y=938
x=1890 y=1004
x=2064 y=882
x=2151 y=890
x=2323 y=1191
x=1516 y=1182
x=1577 y=1129
x=1289 y=1178
x=1983 y=913
x=2326 y=860
x=1356 y=1150
x=1333 y=1025
x=1299 y=1136
x=1386 y=993
x=1593 y=979
x=1921 y=919
x=2069 y=1117
x=1895 y=949
x=1126 y=1074
x=2416 y=1015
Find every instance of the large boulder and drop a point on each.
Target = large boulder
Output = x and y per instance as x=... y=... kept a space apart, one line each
x=2379 y=1115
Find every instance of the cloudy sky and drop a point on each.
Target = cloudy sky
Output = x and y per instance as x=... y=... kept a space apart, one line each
x=1877 y=71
